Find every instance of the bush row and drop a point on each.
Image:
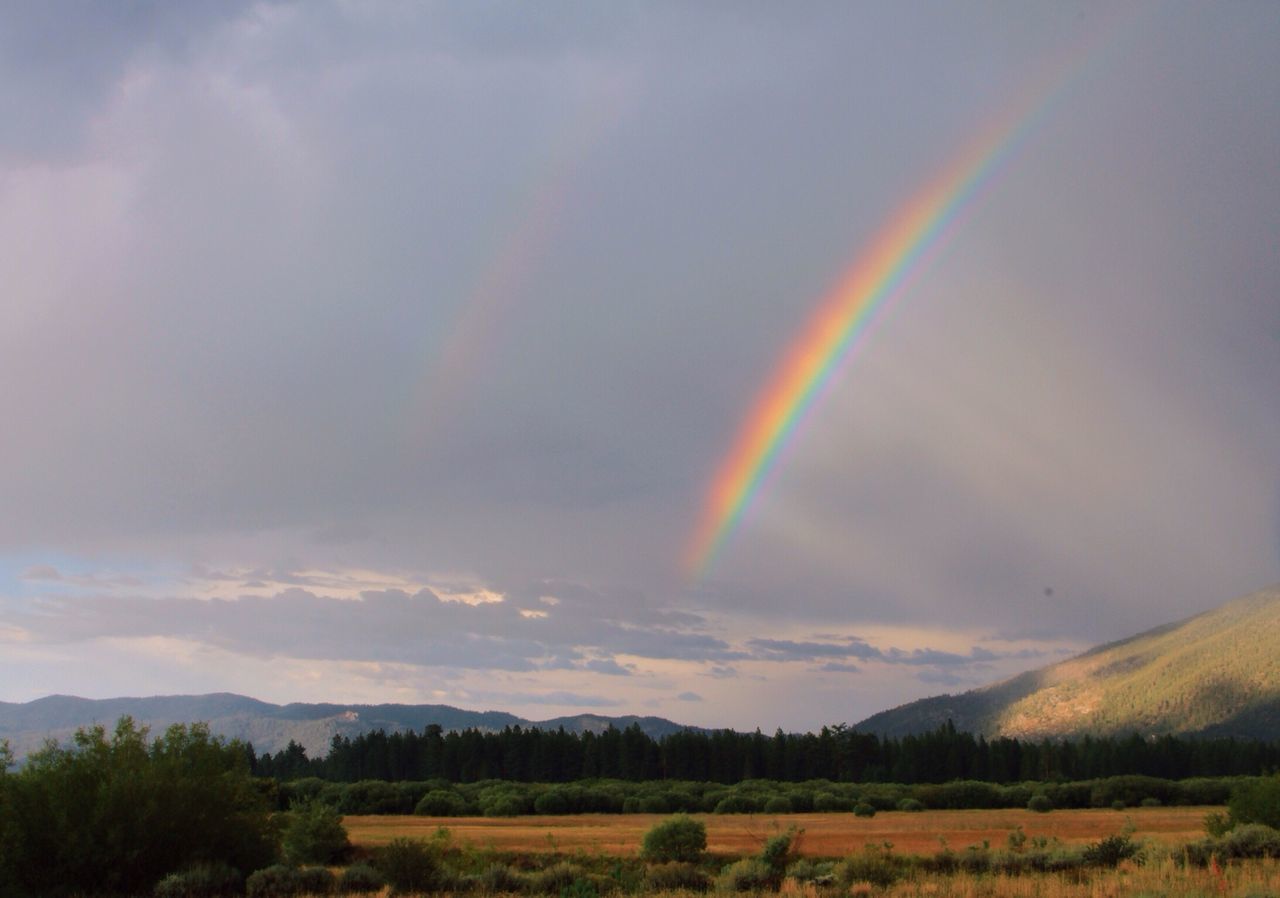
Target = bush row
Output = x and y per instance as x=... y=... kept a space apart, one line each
x=501 y=798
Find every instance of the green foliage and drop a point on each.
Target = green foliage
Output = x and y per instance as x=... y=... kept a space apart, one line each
x=1217 y=823
x=1256 y=801
x=862 y=809
x=825 y=802
x=1016 y=840
x=499 y=879
x=276 y=881
x=409 y=865
x=747 y=875
x=1110 y=851
x=117 y=814
x=875 y=865
x=737 y=803
x=442 y=803
x=1251 y=840
x=359 y=879
x=679 y=838
x=314 y=834
x=779 y=804
x=555 y=801
x=201 y=881
x=777 y=852
x=558 y=879
x=1040 y=803
x=316 y=880
x=809 y=870
x=675 y=876
x=910 y=805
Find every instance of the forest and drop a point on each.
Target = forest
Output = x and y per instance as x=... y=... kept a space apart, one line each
x=836 y=753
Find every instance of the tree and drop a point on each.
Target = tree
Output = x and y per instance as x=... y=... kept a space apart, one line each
x=315 y=835
x=1256 y=801
x=678 y=838
x=114 y=815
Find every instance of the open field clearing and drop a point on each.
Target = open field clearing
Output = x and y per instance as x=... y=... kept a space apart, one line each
x=825 y=835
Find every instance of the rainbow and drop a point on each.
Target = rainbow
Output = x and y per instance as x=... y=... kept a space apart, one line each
x=896 y=253
x=492 y=302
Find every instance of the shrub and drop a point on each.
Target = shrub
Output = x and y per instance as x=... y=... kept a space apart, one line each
x=374 y=797
x=747 y=875
x=555 y=880
x=1040 y=803
x=1256 y=801
x=1202 y=790
x=873 y=865
x=826 y=801
x=276 y=881
x=441 y=803
x=360 y=879
x=316 y=880
x=808 y=870
x=1251 y=840
x=779 y=804
x=862 y=809
x=801 y=800
x=736 y=803
x=315 y=835
x=1216 y=823
x=1110 y=851
x=911 y=805
x=202 y=881
x=777 y=852
x=675 y=876
x=1119 y=805
x=499 y=879
x=656 y=804
x=553 y=801
x=1150 y=802
x=408 y=865
x=679 y=838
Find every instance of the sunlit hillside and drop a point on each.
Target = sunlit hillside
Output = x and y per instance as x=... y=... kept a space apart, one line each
x=1217 y=673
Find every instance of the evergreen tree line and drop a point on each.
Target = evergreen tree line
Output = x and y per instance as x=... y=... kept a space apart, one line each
x=836 y=753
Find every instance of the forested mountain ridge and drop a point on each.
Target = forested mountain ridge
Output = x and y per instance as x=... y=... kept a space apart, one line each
x=272 y=727
x=1215 y=674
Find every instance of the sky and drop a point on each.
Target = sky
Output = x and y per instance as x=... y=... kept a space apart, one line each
x=387 y=352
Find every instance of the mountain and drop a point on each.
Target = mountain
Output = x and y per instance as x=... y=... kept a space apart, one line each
x=270 y=727
x=1215 y=674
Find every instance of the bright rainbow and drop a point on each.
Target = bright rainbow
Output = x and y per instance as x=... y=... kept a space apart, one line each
x=895 y=254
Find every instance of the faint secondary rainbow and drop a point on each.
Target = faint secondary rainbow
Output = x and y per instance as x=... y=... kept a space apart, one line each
x=894 y=255
x=472 y=340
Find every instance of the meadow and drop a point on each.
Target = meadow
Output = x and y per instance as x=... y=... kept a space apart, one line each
x=825 y=835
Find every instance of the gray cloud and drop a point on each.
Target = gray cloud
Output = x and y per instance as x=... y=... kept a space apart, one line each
x=485 y=292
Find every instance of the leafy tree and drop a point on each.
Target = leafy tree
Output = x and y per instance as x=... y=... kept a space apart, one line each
x=116 y=814
x=315 y=835
x=679 y=838
x=1256 y=801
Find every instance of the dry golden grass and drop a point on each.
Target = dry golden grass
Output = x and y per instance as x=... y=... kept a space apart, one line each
x=825 y=835
x=1252 y=879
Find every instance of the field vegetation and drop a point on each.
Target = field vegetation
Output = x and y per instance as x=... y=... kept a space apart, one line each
x=180 y=816
x=502 y=798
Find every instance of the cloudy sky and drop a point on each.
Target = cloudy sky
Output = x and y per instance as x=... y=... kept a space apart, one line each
x=387 y=351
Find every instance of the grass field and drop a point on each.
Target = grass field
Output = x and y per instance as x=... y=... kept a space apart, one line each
x=825 y=835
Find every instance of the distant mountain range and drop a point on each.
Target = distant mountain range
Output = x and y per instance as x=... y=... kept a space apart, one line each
x=271 y=727
x=1216 y=674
